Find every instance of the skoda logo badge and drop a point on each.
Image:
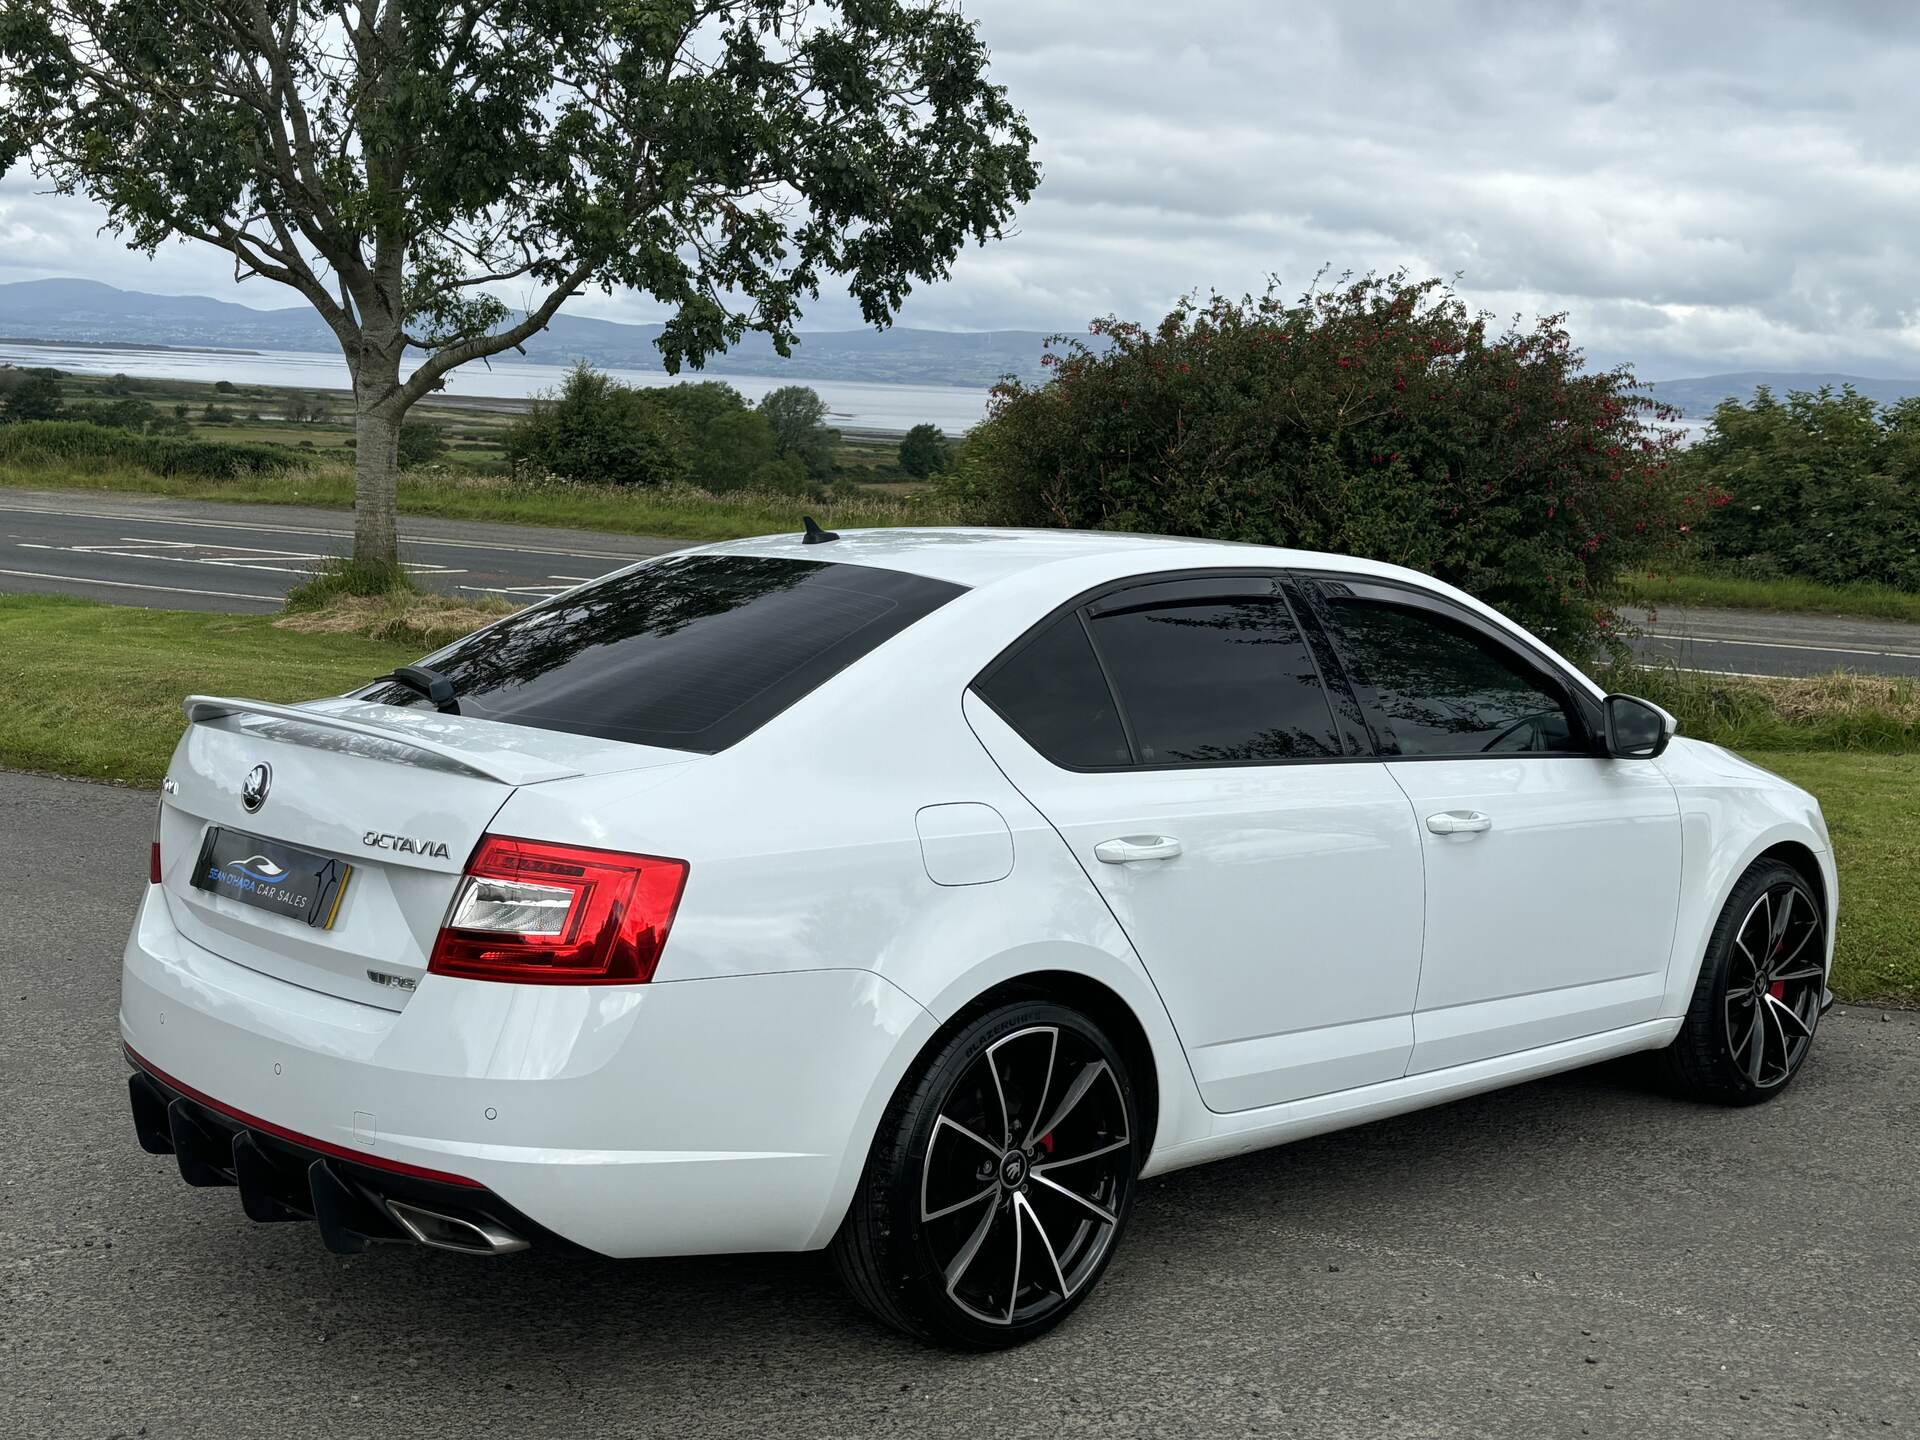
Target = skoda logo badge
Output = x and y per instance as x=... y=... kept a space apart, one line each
x=253 y=790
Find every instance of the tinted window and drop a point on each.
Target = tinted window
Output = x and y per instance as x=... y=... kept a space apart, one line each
x=1216 y=680
x=691 y=653
x=1051 y=691
x=1443 y=689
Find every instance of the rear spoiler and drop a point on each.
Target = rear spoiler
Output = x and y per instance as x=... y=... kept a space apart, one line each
x=504 y=766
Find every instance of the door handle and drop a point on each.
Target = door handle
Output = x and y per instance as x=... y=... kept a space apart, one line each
x=1129 y=848
x=1459 y=822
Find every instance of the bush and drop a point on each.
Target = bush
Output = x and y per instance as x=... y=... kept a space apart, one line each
x=134 y=415
x=924 y=452
x=421 y=443
x=60 y=442
x=1820 y=486
x=1378 y=418
x=29 y=395
x=598 y=430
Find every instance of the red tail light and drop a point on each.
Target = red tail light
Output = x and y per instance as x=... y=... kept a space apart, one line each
x=539 y=914
x=153 y=855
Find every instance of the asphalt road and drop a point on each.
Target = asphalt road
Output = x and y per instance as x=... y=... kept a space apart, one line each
x=182 y=555
x=1579 y=1256
x=179 y=554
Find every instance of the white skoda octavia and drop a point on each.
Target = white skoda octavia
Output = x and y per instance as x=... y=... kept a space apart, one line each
x=915 y=893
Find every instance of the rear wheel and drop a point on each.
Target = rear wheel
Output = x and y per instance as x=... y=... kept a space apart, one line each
x=999 y=1182
x=1757 y=1001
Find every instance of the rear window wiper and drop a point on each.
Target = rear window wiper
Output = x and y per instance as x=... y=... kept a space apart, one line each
x=431 y=683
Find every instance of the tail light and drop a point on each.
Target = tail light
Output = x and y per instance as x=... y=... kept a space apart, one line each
x=539 y=914
x=153 y=852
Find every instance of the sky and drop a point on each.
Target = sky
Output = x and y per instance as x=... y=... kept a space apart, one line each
x=1702 y=187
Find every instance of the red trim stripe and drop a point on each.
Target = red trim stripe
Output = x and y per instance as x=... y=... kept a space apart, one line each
x=294 y=1137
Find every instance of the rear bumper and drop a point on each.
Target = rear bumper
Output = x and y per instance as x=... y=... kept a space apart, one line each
x=688 y=1117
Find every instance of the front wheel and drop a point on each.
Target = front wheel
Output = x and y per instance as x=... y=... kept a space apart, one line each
x=999 y=1182
x=1758 y=998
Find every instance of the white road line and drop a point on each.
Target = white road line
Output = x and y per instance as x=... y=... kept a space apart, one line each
x=129 y=585
x=623 y=555
x=544 y=592
x=1787 y=645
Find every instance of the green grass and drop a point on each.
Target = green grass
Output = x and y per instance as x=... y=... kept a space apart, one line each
x=1841 y=712
x=95 y=690
x=1869 y=802
x=1800 y=597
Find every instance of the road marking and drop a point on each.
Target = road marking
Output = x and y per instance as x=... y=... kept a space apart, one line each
x=229 y=557
x=129 y=585
x=627 y=556
x=1786 y=645
x=544 y=592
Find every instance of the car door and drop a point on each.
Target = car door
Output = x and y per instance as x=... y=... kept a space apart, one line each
x=1552 y=871
x=1180 y=737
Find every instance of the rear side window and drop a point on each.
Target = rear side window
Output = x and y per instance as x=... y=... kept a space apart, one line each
x=691 y=653
x=1051 y=691
x=1216 y=680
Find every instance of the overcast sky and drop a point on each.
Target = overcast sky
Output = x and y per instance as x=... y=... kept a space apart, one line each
x=1704 y=187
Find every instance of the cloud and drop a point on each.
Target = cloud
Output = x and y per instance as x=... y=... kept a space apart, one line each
x=1702 y=187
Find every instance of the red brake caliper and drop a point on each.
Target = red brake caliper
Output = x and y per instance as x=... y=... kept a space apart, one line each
x=1046 y=1142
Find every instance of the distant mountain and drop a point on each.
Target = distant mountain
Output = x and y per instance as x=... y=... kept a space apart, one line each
x=85 y=311
x=1695 y=398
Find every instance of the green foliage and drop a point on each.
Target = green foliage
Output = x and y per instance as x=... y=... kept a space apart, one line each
x=1821 y=486
x=216 y=415
x=925 y=452
x=598 y=431
x=1377 y=418
x=389 y=162
x=29 y=395
x=134 y=415
x=56 y=442
x=421 y=443
x=344 y=576
x=728 y=446
x=798 y=417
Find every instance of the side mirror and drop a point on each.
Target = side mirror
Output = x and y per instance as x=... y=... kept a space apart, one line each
x=1637 y=729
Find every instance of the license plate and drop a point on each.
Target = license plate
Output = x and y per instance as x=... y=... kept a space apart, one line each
x=268 y=875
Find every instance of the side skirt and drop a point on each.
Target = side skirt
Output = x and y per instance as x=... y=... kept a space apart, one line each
x=1249 y=1130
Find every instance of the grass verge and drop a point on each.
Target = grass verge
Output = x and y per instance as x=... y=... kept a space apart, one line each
x=95 y=690
x=676 y=511
x=1798 y=597
x=1869 y=801
x=1827 y=712
x=96 y=693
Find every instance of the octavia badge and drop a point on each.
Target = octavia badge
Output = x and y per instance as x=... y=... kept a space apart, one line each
x=253 y=790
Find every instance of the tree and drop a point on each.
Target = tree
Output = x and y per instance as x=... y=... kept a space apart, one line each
x=598 y=431
x=1378 y=417
x=29 y=395
x=1823 y=485
x=397 y=162
x=924 y=452
x=798 y=416
x=421 y=441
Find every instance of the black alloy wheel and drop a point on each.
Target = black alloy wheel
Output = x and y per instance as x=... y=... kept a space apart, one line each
x=999 y=1183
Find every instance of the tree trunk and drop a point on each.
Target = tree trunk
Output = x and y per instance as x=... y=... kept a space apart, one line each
x=376 y=465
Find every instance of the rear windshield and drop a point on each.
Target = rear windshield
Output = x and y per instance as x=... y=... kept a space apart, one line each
x=691 y=653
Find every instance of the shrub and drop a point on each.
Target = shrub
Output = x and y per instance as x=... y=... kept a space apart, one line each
x=61 y=442
x=29 y=395
x=1820 y=486
x=421 y=442
x=135 y=415
x=598 y=430
x=1377 y=418
x=924 y=452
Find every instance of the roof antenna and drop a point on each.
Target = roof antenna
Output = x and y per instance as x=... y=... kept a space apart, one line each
x=815 y=535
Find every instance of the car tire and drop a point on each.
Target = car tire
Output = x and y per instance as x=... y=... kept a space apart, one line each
x=1762 y=984
x=999 y=1182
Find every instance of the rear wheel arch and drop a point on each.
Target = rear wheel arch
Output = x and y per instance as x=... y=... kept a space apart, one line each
x=1099 y=1003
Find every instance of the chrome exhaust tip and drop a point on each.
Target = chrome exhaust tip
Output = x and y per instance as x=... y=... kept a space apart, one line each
x=454 y=1232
